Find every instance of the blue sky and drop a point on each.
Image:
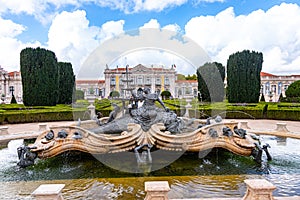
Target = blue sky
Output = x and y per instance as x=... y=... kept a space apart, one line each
x=74 y=28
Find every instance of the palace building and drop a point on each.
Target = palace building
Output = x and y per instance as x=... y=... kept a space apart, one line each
x=157 y=78
x=273 y=85
x=123 y=80
x=10 y=82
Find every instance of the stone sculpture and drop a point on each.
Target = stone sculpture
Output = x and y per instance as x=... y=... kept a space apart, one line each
x=141 y=129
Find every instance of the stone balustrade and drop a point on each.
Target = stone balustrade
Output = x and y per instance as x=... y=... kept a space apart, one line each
x=49 y=192
x=6 y=137
x=43 y=126
x=4 y=130
x=280 y=131
x=157 y=190
x=257 y=189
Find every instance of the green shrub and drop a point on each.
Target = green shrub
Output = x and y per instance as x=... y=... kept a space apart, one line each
x=165 y=94
x=79 y=95
x=114 y=94
x=293 y=90
x=18 y=113
x=291 y=99
x=265 y=111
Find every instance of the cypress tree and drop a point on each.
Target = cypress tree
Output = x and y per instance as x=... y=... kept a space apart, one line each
x=262 y=99
x=66 y=83
x=13 y=100
x=243 y=76
x=39 y=77
x=281 y=98
x=211 y=82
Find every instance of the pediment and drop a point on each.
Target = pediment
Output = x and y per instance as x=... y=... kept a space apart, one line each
x=140 y=68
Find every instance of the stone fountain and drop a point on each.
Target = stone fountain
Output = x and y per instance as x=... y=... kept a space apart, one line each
x=142 y=130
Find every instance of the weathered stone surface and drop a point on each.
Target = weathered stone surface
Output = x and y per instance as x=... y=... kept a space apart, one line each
x=157 y=190
x=259 y=189
x=48 y=192
x=3 y=130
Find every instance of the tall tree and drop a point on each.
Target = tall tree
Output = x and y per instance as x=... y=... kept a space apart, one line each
x=180 y=77
x=39 y=77
x=243 y=76
x=66 y=83
x=189 y=77
x=211 y=82
x=292 y=93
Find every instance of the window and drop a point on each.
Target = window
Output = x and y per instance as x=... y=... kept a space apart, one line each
x=267 y=88
x=279 y=88
x=195 y=92
x=113 y=81
x=273 y=87
x=148 y=80
x=157 y=81
x=167 y=82
x=140 y=80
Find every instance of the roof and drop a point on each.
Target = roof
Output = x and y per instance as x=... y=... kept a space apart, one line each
x=90 y=81
x=186 y=81
x=266 y=74
x=123 y=69
x=14 y=73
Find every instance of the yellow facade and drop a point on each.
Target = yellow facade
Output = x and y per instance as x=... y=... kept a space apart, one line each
x=162 y=83
x=117 y=84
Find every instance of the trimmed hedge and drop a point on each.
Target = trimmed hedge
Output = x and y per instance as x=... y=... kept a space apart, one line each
x=21 y=114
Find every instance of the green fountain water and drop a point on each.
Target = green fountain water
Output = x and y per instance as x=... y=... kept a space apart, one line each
x=219 y=174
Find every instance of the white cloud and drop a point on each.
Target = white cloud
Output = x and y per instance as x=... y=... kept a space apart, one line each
x=275 y=32
x=134 y=6
x=45 y=10
x=111 y=29
x=147 y=46
x=73 y=39
x=153 y=23
x=196 y=2
x=154 y=5
x=10 y=29
x=10 y=45
x=172 y=27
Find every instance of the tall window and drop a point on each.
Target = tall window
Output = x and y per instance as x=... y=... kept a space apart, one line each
x=113 y=80
x=195 y=92
x=167 y=82
x=273 y=87
x=279 y=88
x=267 y=88
x=140 y=80
x=157 y=81
x=148 y=80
